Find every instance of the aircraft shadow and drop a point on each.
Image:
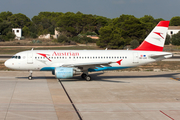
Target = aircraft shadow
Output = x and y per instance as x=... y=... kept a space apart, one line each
x=37 y=77
x=98 y=77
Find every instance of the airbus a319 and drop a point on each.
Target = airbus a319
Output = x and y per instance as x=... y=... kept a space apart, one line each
x=67 y=63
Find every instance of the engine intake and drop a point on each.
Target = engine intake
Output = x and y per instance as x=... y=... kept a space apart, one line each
x=65 y=72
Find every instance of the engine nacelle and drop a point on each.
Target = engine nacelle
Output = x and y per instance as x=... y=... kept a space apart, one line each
x=65 y=72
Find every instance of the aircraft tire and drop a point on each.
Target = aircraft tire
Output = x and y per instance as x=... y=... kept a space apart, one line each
x=83 y=75
x=88 y=78
x=30 y=77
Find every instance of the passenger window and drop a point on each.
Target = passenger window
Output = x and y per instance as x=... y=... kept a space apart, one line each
x=19 y=57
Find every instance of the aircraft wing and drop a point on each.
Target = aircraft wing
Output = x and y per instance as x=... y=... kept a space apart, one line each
x=85 y=66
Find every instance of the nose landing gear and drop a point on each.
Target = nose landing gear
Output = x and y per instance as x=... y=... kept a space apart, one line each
x=30 y=75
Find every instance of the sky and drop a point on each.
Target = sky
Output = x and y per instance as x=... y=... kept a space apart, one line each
x=165 y=9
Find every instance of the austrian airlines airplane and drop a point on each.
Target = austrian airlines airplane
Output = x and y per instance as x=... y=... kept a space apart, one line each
x=67 y=63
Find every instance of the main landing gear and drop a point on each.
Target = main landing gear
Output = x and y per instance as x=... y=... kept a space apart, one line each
x=86 y=77
x=30 y=75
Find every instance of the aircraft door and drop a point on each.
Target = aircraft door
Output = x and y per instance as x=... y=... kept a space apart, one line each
x=30 y=57
x=135 y=58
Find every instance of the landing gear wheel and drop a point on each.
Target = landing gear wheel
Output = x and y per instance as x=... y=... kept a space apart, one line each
x=83 y=75
x=88 y=78
x=30 y=77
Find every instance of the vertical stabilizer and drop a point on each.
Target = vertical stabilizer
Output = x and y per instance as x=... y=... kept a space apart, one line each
x=156 y=39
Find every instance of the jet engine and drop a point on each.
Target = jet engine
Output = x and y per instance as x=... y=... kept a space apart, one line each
x=65 y=72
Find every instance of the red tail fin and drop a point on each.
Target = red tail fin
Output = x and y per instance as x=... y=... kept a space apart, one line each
x=155 y=40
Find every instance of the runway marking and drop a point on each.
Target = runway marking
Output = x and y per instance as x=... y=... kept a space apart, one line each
x=167 y=115
x=80 y=118
x=176 y=79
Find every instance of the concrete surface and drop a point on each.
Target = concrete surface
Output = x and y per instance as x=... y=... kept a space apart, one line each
x=110 y=96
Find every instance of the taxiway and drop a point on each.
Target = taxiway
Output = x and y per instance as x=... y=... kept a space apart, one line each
x=110 y=96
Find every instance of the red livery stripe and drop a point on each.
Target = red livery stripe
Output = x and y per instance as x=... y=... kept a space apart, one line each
x=163 y=24
x=146 y=46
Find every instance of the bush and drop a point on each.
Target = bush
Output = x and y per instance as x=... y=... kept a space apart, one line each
x=63 y=39
x=33 y=35
x=168 y=40
x=83 y=39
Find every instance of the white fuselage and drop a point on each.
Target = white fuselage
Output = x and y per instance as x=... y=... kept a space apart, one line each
x=47 y=60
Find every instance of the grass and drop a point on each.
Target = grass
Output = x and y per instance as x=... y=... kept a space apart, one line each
x=13 y=50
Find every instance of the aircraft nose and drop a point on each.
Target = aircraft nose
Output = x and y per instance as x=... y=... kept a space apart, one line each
x=7 y=63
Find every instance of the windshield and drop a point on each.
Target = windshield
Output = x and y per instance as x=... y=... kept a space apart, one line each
x=16 y=57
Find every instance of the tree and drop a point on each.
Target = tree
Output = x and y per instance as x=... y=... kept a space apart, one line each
x=70 y=24
x=134 y=44
x=45 y=22
x=120 y=32
x=176 y=39
x=25 y=31
x=5 y=15
x=19 y=20
x=5 y=30
x=175 y=21
x=105 y=36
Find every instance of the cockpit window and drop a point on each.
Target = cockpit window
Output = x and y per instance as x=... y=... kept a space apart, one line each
x=16 y=57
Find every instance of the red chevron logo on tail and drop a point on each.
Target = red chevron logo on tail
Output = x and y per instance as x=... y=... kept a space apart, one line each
x=160 y=34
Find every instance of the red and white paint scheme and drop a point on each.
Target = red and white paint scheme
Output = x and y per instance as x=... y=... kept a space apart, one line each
x=67 y=63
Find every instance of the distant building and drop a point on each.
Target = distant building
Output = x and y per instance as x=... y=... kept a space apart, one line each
x=93 y=36
x=47 y=36
x=57 y=34
x=173 y=30
x=17 y=32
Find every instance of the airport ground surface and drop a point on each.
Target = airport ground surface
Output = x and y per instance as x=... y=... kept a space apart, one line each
x=110 y=96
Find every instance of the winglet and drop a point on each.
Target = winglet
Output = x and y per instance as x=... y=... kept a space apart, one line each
x=156 y=39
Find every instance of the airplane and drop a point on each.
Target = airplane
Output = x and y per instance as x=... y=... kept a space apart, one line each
x=67 y=63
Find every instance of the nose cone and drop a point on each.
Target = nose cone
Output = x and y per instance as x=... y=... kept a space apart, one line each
x=7 y=63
